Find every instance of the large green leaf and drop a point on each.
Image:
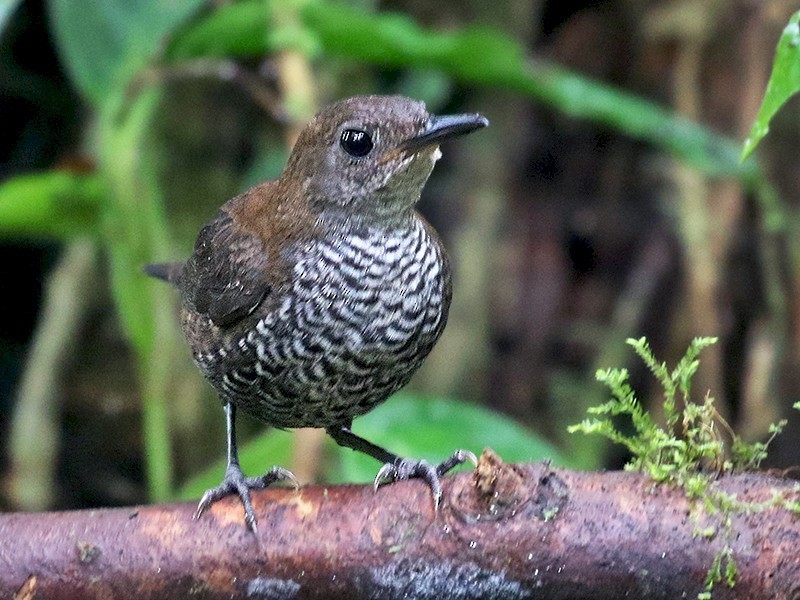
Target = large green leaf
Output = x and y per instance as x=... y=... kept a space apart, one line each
x=783 y=83
x=104 y=42
x=54 y=204
x=432 y=428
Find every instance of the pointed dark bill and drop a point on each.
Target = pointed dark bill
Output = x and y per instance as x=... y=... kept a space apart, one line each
x=440 y=128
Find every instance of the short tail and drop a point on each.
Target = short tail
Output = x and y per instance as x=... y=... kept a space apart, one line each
x=166 y=271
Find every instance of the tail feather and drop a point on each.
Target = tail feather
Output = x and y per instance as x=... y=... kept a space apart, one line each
x=167 y=271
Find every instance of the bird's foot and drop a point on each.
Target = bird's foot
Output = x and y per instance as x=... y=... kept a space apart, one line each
x=407 y=468
x=235 y=482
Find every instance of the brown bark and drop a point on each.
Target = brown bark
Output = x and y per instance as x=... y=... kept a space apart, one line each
x=506 y=531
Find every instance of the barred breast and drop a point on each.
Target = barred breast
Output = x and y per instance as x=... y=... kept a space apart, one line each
x=357 y=317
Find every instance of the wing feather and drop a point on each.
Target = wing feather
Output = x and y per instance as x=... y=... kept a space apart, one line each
x=226 y=276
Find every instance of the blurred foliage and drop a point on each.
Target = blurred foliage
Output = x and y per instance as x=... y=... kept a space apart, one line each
x=104 y=43
x=56 y=204
x=783 y=83
x=112 y=49
x=475 y=55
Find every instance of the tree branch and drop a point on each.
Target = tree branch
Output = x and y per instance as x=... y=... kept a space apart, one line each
x=504 y=531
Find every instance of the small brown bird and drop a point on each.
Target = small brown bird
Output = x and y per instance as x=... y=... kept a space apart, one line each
x=310 y=299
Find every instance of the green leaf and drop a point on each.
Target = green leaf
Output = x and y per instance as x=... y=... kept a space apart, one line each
x=433 y=428
x=236 y=29
x=104 y=42
x=246 y=29
x=135 y=232
x=476 y=55
x=783 y=83
x=256 y=457
x=55 y=204
x=484 y=56
x=134 y=226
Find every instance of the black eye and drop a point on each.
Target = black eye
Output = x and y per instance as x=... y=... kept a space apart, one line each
x=356 y=142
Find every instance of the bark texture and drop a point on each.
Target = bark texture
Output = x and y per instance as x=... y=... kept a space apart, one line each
x=504 y=531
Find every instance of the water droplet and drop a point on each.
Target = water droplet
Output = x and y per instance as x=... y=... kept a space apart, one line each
x=535 y=572
x=473 y=544
x=530 y=555
x=333 y=577
x=663 y=555
x=558 y=570
x=446 y=529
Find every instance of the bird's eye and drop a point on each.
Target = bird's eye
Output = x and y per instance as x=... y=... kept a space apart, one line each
x=356 y=142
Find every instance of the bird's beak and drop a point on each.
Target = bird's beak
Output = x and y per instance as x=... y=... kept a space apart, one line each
x=441 y=128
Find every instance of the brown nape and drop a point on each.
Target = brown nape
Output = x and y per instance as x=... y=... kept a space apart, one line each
x=277 y=213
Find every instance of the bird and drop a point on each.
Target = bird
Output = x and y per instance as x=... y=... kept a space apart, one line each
x=312 y=298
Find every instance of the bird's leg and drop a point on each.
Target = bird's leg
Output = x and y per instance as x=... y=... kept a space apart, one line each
x=397 y=468
x=235 y=481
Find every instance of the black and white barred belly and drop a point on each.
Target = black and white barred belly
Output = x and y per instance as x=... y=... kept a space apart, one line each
x=358 y=317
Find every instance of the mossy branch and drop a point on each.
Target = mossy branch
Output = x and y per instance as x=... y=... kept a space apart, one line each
x=688 y=452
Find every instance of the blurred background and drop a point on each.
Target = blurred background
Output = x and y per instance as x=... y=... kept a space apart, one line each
x=606 y=201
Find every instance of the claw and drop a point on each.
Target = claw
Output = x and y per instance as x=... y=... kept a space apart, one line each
x=459 y=457
x=287 y=475
x=387 y=472
x=235 y=482
x=251 y=523
x=405 y=468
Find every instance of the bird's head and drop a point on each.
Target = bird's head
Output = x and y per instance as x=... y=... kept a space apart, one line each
x=371 y=155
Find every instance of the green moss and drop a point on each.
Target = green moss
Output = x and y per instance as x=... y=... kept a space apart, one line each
x=689 y=450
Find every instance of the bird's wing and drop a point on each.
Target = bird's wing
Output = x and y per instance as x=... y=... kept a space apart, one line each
x=226 y=276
